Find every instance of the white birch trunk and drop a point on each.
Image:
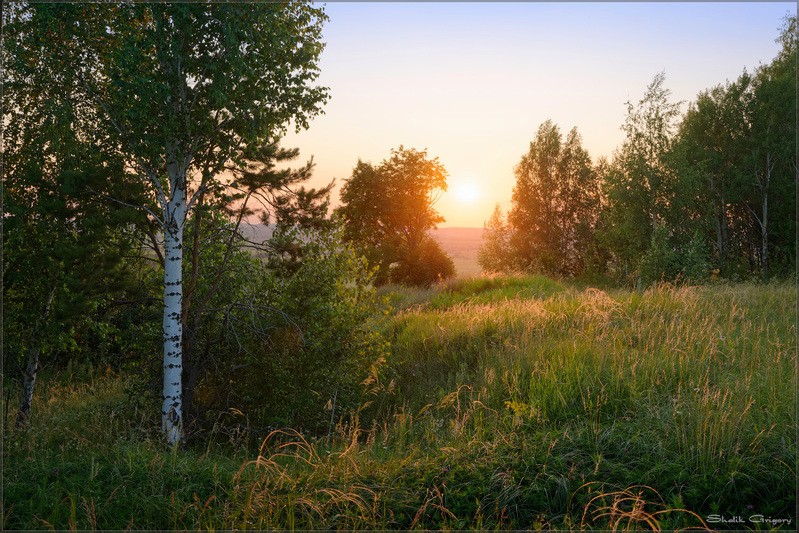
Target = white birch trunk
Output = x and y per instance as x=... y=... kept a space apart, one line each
x=174 y=218
x=763 y=219
x=28 y=382
x=32 y=364
x=764 y=238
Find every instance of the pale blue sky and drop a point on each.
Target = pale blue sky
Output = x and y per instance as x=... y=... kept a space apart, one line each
x=471 y=82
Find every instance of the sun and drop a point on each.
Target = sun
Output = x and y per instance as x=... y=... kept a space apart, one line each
x=466 y=192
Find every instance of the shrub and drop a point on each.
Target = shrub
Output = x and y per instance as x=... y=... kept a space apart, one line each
x=666 y=260
x=299 y=341
x=424 y=265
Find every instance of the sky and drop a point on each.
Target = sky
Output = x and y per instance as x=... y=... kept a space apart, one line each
x=471 y=82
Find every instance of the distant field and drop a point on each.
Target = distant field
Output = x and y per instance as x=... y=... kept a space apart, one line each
x=460 y=243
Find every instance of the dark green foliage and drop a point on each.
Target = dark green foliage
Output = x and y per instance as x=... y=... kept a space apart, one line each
x=363 y=202
x=272 y=341
x=724 y=180
x=219 y=260
x=710 y=159
x=328 y=321
x=772 y=145
x=423 y=265
x=735 y=163
x=200 y=79
x=668 y=259
x=636 y=183
x=388 y=210
x=70 y=254
x=177 y=93
x=288 y=339
x=275 y=195
x=721 y=185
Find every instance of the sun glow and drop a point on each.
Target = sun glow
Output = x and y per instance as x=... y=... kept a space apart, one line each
x=466 y=192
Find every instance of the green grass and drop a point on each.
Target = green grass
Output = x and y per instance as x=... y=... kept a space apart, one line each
x=91 y=460
x=507 y=402
x=473 y=290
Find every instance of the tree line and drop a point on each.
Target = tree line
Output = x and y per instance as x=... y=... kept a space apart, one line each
x=707 y=193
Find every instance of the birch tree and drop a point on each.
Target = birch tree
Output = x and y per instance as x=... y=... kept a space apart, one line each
x=637 y=184
x=65 y=253
x=181 y=90
x=735 y=164
x=708 y=157
x=554 y=203
x=773 y=168
x=494 y=254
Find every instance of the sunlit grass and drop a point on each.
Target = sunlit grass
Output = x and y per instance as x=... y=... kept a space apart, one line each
x=689 y=390
x=507 y=402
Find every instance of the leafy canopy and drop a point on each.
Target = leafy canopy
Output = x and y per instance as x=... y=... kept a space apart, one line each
x=388 y=210
x=554 y=204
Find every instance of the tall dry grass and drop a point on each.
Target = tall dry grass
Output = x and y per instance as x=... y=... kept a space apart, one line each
x=506 y=403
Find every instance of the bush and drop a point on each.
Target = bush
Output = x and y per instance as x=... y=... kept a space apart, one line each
x=422 y=266
x=299 y=341
x=666 y=260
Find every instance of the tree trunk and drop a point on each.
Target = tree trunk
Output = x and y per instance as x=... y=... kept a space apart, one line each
x=191 y=369
x=32 y=364
x=725 y=233
x=719 y=243
x=722 y=236
x=764 y=238
x=174 y=218
x=28 y=381
x=764 y=221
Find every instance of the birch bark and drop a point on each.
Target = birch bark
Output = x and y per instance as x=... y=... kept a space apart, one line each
x=764 y=222
x=32 y=364
x=174 y=218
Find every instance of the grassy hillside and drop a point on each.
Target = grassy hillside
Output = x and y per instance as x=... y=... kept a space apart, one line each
x=507 y=402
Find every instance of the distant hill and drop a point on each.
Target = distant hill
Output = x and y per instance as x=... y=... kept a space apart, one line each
x=461 y=243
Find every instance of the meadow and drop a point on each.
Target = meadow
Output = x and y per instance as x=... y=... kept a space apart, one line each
x=508 y=402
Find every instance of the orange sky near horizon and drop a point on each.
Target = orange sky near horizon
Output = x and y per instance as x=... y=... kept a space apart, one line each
x=471 y=82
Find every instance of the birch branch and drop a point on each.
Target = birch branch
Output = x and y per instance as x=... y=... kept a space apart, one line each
x=127 y=204
x=143 y=167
